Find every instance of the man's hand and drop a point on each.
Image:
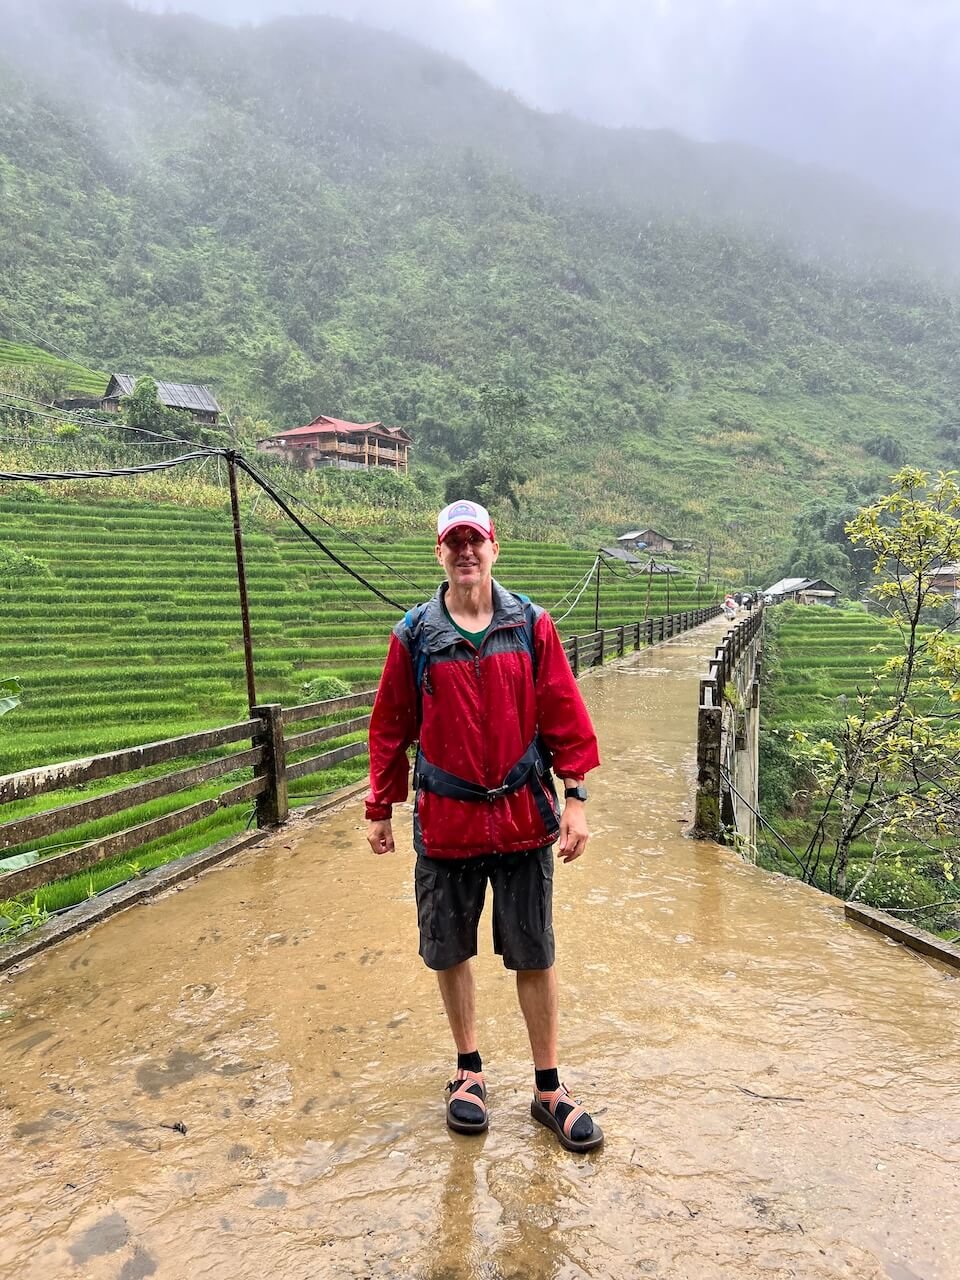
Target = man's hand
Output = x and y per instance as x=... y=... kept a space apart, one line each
x=573 y=830
x=380 y=836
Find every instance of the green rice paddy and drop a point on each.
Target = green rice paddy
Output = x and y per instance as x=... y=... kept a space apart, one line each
x=818 y=662
x=135 y=635
x=77 y=378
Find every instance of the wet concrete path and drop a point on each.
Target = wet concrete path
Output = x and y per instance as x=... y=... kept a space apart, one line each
x=778 y=1088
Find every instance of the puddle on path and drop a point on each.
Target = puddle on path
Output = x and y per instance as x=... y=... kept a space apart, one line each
x=245 y=1078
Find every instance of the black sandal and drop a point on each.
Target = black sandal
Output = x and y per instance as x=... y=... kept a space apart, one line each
x=544 y=1108
x=461 y=1089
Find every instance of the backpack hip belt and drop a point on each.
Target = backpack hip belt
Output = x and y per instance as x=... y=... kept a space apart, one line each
x=528 y=769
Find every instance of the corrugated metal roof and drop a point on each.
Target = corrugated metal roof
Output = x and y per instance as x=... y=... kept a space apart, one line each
x=175 y=395
x=618 y=553
x=786 y=585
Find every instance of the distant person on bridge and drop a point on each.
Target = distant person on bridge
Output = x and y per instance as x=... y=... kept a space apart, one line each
x=729 y=608
x=478 y=677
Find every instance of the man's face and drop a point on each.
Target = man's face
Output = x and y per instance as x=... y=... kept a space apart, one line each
x=467 y=557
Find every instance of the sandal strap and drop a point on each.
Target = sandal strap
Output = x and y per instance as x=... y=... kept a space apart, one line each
x=551 y=1099
x=460 y=1087
x=572 y=1118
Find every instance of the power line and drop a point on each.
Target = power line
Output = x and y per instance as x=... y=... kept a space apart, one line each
x=350 y=538
x=43 y=342
x=567 y=594
x=594 y=569
x=329 y=576
x=67 y=415
x=271 y=492
x=111 y=473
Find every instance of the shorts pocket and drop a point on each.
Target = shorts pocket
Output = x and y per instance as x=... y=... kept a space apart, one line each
x=545 y=865
x=425 y=888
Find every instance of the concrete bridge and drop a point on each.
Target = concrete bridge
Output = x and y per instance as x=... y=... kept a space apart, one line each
x=244 y=1078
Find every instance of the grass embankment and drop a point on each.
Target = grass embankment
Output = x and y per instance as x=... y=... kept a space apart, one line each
x=132 y=634
x=816 y=660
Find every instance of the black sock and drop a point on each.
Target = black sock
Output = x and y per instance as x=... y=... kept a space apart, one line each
x=469 y=1061
x=548 y=1080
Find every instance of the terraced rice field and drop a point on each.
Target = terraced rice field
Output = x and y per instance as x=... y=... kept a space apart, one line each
x=78 y=379
x=136 y=636
x=825 y=656
x=822 y=658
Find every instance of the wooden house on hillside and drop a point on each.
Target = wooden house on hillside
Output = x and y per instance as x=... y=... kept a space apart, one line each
x=651 y=539
x=945 y=580
x=803 y=591
x=331 y=442
x=190 y=397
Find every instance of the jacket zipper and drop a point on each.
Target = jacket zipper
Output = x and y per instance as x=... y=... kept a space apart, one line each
x=510 y=626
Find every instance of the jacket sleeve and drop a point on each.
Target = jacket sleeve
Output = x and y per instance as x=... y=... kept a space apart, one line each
x=562 y=717
x=393 y=726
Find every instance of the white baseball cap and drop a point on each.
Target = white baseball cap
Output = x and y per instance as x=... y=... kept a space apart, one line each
x=466 y=513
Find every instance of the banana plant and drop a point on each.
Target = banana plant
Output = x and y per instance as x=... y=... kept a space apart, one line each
x=8 y=699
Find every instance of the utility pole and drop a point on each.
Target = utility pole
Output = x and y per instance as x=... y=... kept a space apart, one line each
x=596 y=602
x=241 y=579
x=709 y=558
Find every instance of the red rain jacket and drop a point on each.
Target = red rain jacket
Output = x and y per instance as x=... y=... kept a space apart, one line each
x=481 y=708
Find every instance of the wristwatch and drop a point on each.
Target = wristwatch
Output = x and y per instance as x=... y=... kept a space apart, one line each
x=579 y=792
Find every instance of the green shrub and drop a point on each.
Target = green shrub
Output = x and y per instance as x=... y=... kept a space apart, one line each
x=323 y=687
x=16 y=567
x=894 y=885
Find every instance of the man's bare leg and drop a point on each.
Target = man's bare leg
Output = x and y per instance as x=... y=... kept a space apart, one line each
x=466 y=1108
x=537 y=992
x=458 y=989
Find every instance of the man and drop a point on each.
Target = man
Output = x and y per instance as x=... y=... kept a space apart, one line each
x=478 y=677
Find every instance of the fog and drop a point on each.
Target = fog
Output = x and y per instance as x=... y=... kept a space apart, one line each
x=870 y=87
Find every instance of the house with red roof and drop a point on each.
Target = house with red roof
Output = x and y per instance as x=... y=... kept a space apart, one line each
x=331 y=442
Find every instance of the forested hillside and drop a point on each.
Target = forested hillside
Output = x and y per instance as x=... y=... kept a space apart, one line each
x=316 y=218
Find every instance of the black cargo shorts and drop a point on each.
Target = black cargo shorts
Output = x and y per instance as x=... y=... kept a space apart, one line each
x=450 y=894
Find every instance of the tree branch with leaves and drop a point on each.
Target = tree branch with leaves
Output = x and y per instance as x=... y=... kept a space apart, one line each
x=888 y=784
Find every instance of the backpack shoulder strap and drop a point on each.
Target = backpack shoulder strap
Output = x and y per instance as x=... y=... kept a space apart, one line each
x=530 y=615
x=419 y=655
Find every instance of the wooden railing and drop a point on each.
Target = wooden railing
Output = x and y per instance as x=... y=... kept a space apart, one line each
x=266 y=754
x=591 y=649
x=736 y=663
x=265 y=746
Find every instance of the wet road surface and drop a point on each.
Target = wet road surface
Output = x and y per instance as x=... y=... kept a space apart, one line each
x=778 y=1088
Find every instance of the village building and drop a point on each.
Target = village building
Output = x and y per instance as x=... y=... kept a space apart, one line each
x=945 y=580
x=638 y=539
x=803 y=591
x=189 y=397
x=331 y=442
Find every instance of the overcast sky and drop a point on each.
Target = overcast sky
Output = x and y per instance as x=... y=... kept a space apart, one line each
x=871 y=87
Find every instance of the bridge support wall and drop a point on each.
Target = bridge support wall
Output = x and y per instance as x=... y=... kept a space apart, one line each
x=728 y=722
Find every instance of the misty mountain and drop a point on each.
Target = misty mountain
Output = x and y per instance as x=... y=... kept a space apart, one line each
x=318 y=217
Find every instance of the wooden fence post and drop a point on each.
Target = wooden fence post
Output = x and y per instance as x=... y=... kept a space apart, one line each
x=709 y=729
x=273 y=804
